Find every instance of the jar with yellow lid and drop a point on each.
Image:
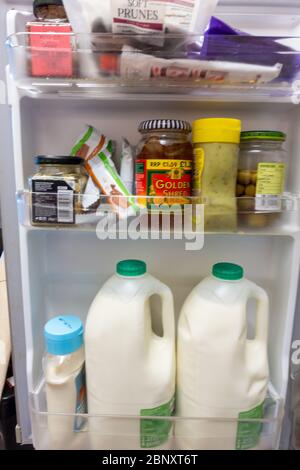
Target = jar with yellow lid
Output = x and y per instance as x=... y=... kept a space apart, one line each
x=216 y=148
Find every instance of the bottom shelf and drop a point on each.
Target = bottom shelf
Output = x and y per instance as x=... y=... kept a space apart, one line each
x=114 y=432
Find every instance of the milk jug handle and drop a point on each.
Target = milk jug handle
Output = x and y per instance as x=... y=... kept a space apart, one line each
x=262 y=312
x=168 y=321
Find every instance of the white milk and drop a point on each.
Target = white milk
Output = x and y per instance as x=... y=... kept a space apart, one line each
x=129 y=368
x=220 y=372
x=65 y=381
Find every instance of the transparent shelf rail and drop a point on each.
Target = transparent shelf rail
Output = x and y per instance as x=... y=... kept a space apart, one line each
x=95 y=432
x=244 y=68
x=170 y=215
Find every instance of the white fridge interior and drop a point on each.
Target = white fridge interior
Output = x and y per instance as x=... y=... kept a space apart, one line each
x=63 y=269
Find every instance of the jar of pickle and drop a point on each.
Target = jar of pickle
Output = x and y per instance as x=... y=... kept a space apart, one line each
x=164 y=162
x=56 y=189
x=261 y=176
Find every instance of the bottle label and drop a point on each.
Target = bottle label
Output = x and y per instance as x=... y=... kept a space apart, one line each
x=52 y=202
x=165 y=181
x=198 y=170
x=153 y=433
x=270 y=185
x=81 y=400
x=248 y=433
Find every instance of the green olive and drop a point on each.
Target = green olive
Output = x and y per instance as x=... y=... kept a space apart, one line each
x=240 y=190
x=244 y=177
x=250 y=190
x=253 y=177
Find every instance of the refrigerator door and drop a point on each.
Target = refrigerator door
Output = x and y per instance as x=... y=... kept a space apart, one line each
x=11 y=236
x=13 y=175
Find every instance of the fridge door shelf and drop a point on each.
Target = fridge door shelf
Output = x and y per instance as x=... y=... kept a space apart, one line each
x=276 y=215
x=116 y=432
x=244 y=68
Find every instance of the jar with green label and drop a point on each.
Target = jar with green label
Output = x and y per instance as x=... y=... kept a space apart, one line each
x=216 y=150
x=261 y=176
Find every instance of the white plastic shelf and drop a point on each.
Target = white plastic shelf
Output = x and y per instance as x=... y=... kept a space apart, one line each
x=157 y=215
x=233 y=68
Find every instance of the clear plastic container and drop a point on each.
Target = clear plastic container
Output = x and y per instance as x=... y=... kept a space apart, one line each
x=64 y=372
x=261 y=175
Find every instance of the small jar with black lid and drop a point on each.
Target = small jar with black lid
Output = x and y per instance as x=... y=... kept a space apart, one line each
x=50 y=10
x=57 y=188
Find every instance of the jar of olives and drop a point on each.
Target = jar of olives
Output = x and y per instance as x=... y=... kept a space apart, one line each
x=261 y=176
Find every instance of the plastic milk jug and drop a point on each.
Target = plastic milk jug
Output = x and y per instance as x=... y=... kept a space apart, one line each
x=222 y=376
x=130 y=370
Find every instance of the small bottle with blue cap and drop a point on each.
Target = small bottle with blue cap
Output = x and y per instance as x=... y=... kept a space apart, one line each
x=64 y=369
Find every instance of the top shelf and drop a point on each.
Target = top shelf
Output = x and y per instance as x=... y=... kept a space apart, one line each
x=170 y=67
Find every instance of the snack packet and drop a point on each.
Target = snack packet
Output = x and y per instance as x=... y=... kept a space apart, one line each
x=127 y=165
x=134 y=65
x=97 y=151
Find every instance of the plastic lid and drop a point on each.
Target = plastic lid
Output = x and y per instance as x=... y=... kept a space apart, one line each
x=63 y=335
x=217 y=130
x=263 y=135
x=131 y=268
x=228 y=271
x=58 y=160
x=42 y=3
x=165 y=124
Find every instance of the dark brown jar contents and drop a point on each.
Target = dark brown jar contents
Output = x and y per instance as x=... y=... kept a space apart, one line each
x=164 y=162
x=49 y=10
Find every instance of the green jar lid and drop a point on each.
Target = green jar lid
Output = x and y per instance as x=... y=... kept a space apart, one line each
x=263 y=135
x=131 y=268
x=228 y=271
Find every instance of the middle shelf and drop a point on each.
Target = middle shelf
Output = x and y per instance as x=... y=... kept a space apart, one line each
x=157 y=217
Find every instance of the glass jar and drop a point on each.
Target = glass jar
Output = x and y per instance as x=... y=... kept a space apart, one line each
x=216 y=148
x=164 y=162
x=57 y=188
x=50 y=10
x=261 y=176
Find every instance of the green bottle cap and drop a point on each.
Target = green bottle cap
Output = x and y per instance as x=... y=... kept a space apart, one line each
x=228 y=271
x=131 y=268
